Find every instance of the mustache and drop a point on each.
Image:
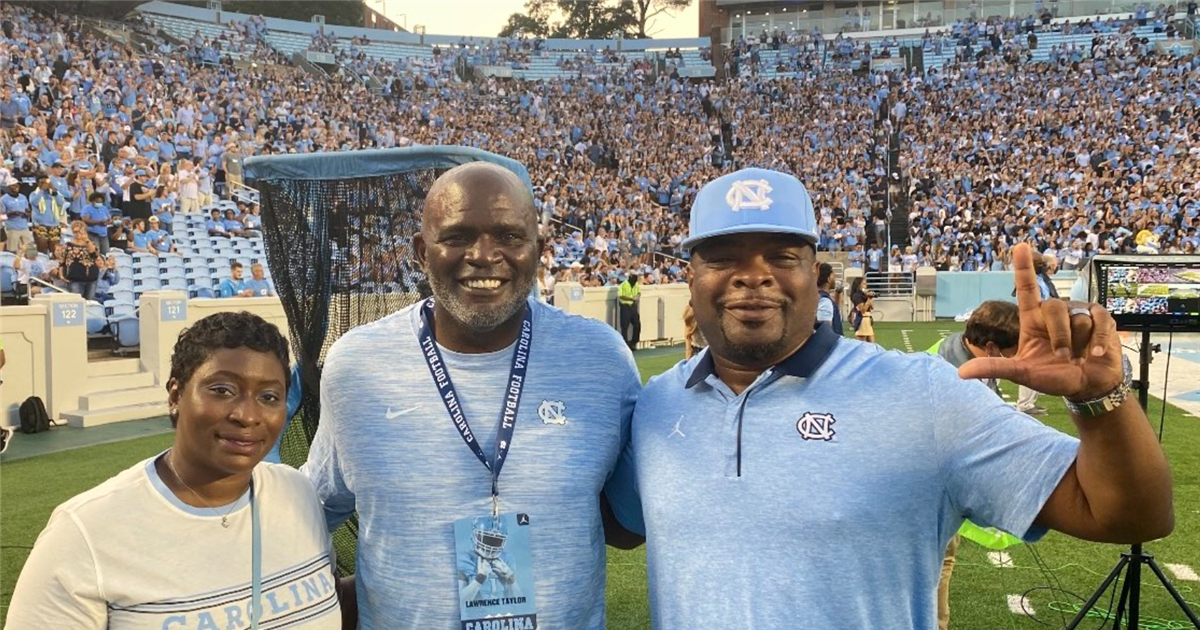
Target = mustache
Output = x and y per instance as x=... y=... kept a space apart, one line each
x=751 y=297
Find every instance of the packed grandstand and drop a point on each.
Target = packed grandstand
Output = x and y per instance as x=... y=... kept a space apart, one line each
x=1078 y=135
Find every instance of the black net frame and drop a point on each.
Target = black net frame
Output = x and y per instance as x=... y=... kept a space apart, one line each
x=338 y=230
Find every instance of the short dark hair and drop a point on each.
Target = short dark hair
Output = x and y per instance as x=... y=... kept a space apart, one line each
x=235 y=265
x=823 y=274
x=996 y=321
x=227 y=330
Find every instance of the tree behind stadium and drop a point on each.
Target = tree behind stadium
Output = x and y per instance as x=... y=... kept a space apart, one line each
x=590 y=19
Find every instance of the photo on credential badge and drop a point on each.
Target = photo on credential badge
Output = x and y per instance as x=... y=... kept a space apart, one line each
x=495 y=572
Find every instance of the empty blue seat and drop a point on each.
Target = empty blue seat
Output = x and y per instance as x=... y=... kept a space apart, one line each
x=8 y=279
x=116 y=310
x=127 y=330
x=145 y=284
x=97 y=318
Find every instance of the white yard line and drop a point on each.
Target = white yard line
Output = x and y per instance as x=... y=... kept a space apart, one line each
x=1019 y=605
x=907 y=342
x=1000 y=559
x=1183 y=572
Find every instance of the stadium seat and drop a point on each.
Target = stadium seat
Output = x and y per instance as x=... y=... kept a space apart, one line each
x=124 y=296
x=127 y=331
x=145 y=268
x=97 y=319
x=201 y=292
x=146 y=284
x=113 y=307
x=8 y=280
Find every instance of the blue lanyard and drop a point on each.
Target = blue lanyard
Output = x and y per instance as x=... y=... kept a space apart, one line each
x=449 y=395
x=255 y=563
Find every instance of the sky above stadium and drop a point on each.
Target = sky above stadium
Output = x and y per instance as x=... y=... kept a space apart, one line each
x=486 y=17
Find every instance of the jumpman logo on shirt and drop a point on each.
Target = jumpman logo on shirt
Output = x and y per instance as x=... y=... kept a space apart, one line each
x=676 y=429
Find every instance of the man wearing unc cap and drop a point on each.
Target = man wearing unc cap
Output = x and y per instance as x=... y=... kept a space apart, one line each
x=813 y=503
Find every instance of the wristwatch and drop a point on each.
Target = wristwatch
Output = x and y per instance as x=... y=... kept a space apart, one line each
x=1108 y=402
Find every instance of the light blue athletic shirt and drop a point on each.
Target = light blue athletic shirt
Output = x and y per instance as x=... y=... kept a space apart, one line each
x=411 y=476
x=857 y=465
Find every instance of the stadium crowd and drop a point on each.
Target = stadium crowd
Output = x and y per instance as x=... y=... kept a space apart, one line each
x=1093 y=151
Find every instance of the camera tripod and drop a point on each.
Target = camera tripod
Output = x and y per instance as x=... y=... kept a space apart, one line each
x=1128 y=606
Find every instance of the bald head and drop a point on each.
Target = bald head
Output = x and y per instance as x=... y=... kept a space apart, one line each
x=478 y=245
x=477 y=184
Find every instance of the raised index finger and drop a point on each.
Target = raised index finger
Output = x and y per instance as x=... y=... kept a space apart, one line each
x=1029 y=296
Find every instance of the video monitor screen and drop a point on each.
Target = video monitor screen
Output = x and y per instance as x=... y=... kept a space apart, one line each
x=1159 y=292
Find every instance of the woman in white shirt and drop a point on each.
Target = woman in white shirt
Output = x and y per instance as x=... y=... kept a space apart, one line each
x=192 y=536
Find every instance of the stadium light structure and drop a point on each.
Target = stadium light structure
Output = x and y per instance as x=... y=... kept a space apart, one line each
x=383 y=11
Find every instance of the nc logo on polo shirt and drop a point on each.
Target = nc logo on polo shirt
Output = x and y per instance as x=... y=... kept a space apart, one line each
x=750 y=194
x=816 y=426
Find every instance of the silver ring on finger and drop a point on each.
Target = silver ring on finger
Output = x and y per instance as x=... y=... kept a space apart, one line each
x=1080 y=311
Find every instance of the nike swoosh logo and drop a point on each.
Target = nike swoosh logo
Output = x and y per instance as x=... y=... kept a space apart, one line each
x=396 y=414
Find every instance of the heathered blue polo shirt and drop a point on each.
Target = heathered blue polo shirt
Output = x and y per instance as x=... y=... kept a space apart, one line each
x=824 y=495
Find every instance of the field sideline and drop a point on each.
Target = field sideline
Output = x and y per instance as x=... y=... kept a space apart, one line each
x=983 y=595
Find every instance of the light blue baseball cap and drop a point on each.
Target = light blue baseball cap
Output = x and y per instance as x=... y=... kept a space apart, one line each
x=751 y=200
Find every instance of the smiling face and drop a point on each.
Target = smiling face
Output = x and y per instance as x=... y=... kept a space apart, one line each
x=754 y=296
x=478 y=245
x=230 y=411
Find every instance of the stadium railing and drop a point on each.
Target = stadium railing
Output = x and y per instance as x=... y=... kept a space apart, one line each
x=885 y=283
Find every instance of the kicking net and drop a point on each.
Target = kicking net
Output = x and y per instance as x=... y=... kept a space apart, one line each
x=338 y=231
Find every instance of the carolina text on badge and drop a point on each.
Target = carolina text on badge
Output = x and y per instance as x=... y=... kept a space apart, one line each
x=523 y=622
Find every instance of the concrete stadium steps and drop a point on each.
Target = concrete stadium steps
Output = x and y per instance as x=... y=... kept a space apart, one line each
x=113 y=367
x=121 y=397
x=83 y=419
x=114 y=382
x=116 y=391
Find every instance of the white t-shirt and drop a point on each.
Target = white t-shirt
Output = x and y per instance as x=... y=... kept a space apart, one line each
x=189 y=185
x=128 y=554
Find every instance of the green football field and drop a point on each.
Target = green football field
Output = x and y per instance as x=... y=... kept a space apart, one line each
x=1051 y=576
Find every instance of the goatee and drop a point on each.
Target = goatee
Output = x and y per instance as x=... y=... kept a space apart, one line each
x=483 y=319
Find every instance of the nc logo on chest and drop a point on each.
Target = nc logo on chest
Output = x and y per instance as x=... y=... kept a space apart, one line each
x=552 y=412
x=816 y=426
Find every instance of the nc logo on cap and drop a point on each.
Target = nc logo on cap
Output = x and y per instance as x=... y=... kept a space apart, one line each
x=750 y=194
